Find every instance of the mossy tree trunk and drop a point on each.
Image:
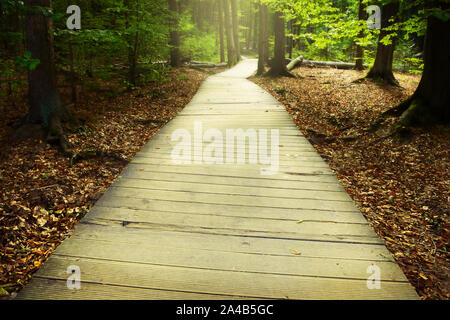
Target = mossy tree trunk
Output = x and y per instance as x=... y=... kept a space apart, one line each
x=430 y=103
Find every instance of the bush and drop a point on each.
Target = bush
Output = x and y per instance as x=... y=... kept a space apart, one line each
x=201 y=47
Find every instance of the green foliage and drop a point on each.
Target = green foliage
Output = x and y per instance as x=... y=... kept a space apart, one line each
x=27 y=61
x=116 y=36
x=415 y=65
x=201 y=47
x=196 y=44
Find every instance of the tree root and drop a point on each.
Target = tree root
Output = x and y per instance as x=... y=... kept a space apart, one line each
x=393 y=112
x=359 y=80
x=284 y=73
x=411 y=112
x=398 y=132
x=388 y=79
x=86 y=155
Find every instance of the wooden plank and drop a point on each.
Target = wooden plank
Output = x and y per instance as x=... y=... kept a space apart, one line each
x=56 y=289
x=292 y=141
x=232 y=181
x=294 y=265
x=205 y=281
x=307 y=235
x=236 y=190
x=307 y=174
x=149 y=158
x=301 y=167
x=238 y=225
x=232 y=211
x=238 y=200
x=231 y=243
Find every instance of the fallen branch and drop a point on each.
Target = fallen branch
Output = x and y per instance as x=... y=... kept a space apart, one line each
x=295 y=63
x=330 y=64
x=201 y=65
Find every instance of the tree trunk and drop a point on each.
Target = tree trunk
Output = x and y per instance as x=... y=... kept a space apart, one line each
x=359 y=56
x=431 y=101
x=263 y=41
x=231 y=53
x=249 y=26
x=221 y=36
x=290 y=40
x=132 y=59
x=43 y=95
x=382 y=67
x=175 y=55
x=72 y=72
x=255 y=27
x=278 y=67
x=235 y=21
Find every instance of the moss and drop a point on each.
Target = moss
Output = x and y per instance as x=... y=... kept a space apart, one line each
x=417 y=114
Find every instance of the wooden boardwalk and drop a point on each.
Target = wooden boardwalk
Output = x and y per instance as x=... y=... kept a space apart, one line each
x=198 y=231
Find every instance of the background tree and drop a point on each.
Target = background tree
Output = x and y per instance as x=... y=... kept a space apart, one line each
x=235 y=21
x=278 y=64
x=175 y=55
x=43 y=95
x=359 y=56
x=382 y=67
x=263 y=39
x=231 y=51
x=221 y=35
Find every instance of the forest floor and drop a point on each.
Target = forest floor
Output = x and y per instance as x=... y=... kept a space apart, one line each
x=403 y=189
x=44 y=194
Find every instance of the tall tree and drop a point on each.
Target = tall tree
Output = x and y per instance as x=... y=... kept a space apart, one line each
x=235 y=21
x=175 y=55
x=382 y=67
x=430 y=103
x=290 y=40
x=359 y=56
x=231 y=51
x=248 y=33
x=221 y=36
x=278 y=65
x=263 y=38
x=43 y=95
x=132 y=39
x=255 y=27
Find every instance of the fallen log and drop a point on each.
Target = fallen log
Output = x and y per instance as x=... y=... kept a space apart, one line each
x=201 y=65
x=329 y=64
x=300 y=61
x=295 y=63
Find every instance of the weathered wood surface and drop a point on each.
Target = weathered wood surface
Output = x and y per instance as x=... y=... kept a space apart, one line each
x=197 y=231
